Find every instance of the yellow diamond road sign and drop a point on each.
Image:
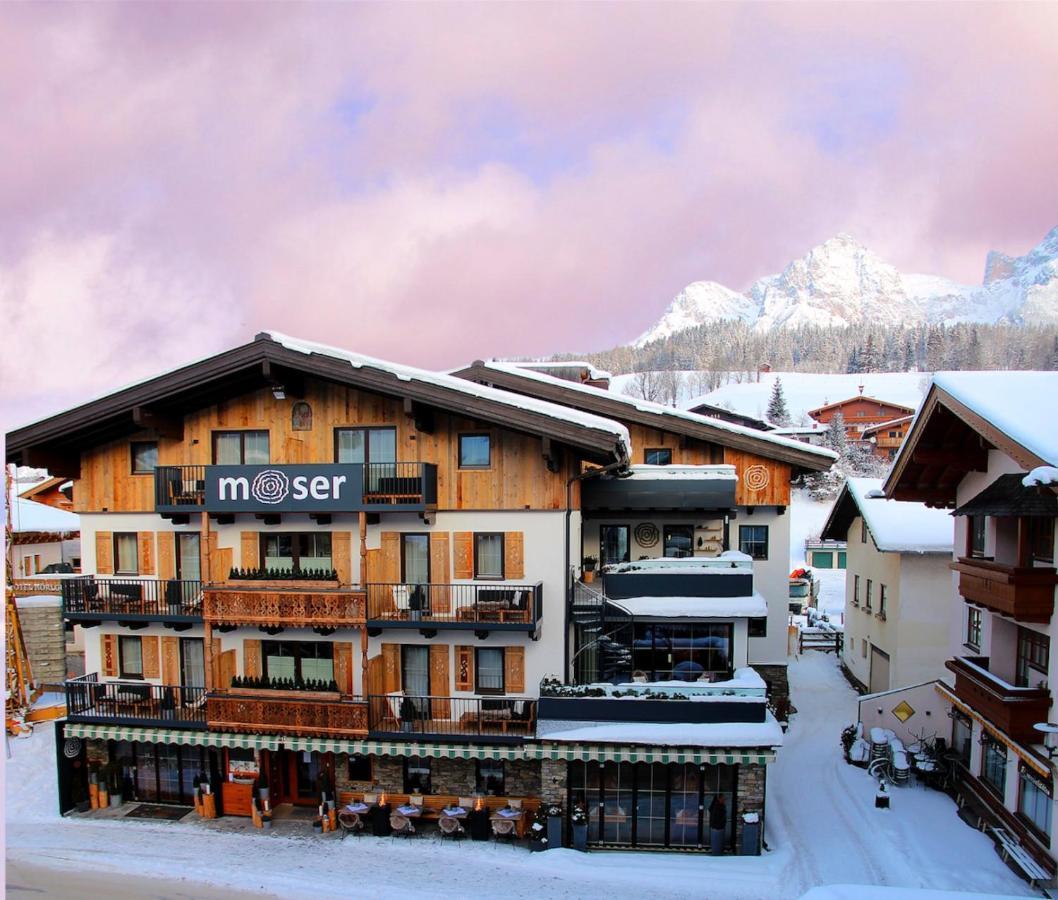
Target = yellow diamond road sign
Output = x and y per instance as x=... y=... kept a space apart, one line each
x=903 y=711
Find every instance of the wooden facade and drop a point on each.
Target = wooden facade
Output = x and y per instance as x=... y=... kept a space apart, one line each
x=860 y=412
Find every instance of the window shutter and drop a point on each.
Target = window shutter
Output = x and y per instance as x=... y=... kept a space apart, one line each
x=152 y=663
x=251 y=658
x=514 y=670
x=513 y=556
x=250 y=550
x=439 y=683
x=463 y=553
x=213 y=650
x=440 y=600
x=166 y=557
x=145 y=539
x=343 y=666
x=340 y=558
x=108 y=654
x=105 y=552
x=390 y=557
x=464 y=668
x=390 y=668
x=376 y=679
x=170 y=660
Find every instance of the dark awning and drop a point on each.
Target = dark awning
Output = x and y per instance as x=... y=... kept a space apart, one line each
x=663 y=488
x=1007 y=496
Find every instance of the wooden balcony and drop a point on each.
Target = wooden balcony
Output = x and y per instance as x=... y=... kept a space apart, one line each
x=1023 y=593
x=413 y=718
x=275 y=604
x=304 y=713
x=1013 y=710
x=484 y=606
x=134 y=703
x=88 y=600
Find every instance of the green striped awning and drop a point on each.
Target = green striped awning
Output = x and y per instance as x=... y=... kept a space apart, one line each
x=624 y=753
x=171 y=736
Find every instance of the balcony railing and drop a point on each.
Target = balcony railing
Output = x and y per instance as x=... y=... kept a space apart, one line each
x=134 y=703
x=274 y=606
x=492 y=606
x=88 y=598
x=287 y=712
x=1014 y=710
x=1025 y=594
x=497 y=718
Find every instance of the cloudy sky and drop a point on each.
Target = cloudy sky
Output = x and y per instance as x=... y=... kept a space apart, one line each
x=434 y=183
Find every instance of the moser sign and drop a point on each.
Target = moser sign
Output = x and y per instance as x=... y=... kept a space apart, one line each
x=309 y=488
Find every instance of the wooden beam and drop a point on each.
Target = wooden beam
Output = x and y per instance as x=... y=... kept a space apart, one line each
x=970 y=459
x=422 y=416
x=291 y=383
x=931 y=496
x=166 y=426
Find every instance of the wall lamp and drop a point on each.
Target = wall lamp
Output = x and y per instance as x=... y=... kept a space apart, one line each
x=278 y=392
x=1049 y=730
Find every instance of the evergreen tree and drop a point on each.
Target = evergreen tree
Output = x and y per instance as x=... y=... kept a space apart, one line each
x=869 y=358
x=778 y=413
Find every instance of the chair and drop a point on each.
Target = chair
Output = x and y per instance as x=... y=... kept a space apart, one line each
x=350 y=824
x=451 y=827
x=416 y=800
x=402 y=600
x=515 y=804
x=401 y=825
x=504 y=829
x=370 y=799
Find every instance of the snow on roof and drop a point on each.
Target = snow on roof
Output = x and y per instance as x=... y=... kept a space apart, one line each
x=645 y=472
x=814 y=428
x=648 y=406
x=438 y=379
x=728 y=561
x=891 y=423
x=1041 y=476
x=901 y=526
x=1014 y=402
x=752 y=606
x=867 y=397
x=593 y=373
x=28 y=515
x=680 y=734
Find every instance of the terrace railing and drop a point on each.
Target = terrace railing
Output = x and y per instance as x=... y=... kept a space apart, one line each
x=134 y=702
x=494 y=605
x=491 y=717
x=91 y=597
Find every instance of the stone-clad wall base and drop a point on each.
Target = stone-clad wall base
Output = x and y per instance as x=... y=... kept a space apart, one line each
x=449 y=776
x=778 y=683
x=750 y=793
x=45 y=637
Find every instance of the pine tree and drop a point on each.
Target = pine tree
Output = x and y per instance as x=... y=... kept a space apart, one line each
x=869 y=357
x=778 y=413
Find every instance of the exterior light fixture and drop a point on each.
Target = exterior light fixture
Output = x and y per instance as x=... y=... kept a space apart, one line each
x=278 y=392
x=1049 y=730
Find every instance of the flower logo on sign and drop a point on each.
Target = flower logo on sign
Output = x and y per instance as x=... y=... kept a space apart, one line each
x=270 y=486
x=756 y=478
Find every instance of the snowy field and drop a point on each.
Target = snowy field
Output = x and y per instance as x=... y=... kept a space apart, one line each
x=822 y=829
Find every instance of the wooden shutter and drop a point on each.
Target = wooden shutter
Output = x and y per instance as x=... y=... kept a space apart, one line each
x=514 y=670
x=440 y=686
x=105 y=552
x=390 y=557
x=340 y=557
x=166 y=556
x=108 y=654
x=343 y=666
x=251 y=658
x=373 y=564
x=226 y=669
x=376 y=678
x=152 y=661
x=513 y=556
x=145 y=539
x=213 y=661
x=171 y=660
x=464 y=668
x=463 y=554
x=249 y=550
x=440 y=597
x=390 y=668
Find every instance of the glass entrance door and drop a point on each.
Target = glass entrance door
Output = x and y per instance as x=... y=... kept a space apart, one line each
x=192 y=662
x=613 y=544
x=415 y=676
x=188 y=565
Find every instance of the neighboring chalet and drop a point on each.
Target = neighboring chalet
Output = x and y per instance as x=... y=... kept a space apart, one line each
x=57 y=492
x=43 y=537
x=813 y=433
x=710 y=411
x=859 y=413
x=897 y=585
x=971 y=448
x=887 y=437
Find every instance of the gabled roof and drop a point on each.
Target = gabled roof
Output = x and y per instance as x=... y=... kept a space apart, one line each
x=274 y=358
x=41 y=486
x=896 y=526
x=848 y=400
x=624 y=408
x=720 y=412
x=964 y=415
x=1008 y=496
x=29 y=516
x=892 y=423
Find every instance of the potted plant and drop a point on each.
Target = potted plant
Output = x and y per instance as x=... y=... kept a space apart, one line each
x=538 y=831
x=578 y=818
x=588 y=565
x=554 y=825
x=408 y=715
x=114 y=784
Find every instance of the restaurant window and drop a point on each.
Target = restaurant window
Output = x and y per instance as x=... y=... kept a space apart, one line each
x=1034 y=801
x=297 y=551
x=298 y=661
x=613 y=544
x=973 y=627
x=126 y=553
x=962 y=736
x=130 y=656
x=679 y=541
x=488 y=555
x=365 y=445
x=658 y=456
x=491 y=777
x=994 y=765
x=475 y=451
x=144 y=457
x=883 y=596
x=1041 y=538
x=418 y=778
x=855 y=590
x=488 y=670
x=976 y=528
x=753 y=540
x=686 y=651
x=869 y=595
x=240 y=448
x=1033 y=652
x=360 y=768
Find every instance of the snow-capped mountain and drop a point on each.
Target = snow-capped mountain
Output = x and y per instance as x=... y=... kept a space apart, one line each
x=841 y=283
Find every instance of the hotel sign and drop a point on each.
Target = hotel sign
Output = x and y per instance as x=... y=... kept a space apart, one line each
x=277 y=489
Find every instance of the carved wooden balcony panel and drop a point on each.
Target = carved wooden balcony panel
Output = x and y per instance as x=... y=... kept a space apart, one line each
x=321 y=718
x=292 y=607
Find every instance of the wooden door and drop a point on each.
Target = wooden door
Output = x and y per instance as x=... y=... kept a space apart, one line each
x=227 y=670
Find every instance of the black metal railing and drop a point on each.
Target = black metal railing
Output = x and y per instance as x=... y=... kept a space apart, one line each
x=400 y=484
x=487 y=603
x=179 y=486
x=136 y=702
x=90 y=596
x=493 y=717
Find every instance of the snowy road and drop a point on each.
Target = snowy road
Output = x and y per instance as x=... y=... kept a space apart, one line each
x=822 y=826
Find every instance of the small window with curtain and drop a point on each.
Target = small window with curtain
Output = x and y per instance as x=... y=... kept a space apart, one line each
x=491 y=777
x=753 y=540
x=130 y=656
x=869 y=595
x=488 y=670
x=855 y=590
x=488 y=555
x=475 y=451
x=658 y=456
x=126 y=553
x=883 y=597
x=240 y=448
x=144 y=457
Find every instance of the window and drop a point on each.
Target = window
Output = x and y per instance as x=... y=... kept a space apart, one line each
x=870 y=592
x=415 y=676
x=679 y=540
x=758 y=626
x=976 y=527
x=298 y=660
x=365 y=445
x=855 y=590
x=491 y=777
x=882 y=597
x=130 y=657
x=863 y=531
x=973 y=627
x=475 y=451
x=360 y=768
x=614 y=544
x=144 y=457
x=415 y=558
x=894 y=434
x=683 y=651
x=658 y=456
x=240 y=448
x=863 y=648
x=1041 y=539
x=994 y=765
x=297 y=551
x=1033 y=651
x=488 y=670
x=1034 y=801
x=961 y=736
x=753 y=539
x=488 y=555
x=126 y=554
x=417 y=775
